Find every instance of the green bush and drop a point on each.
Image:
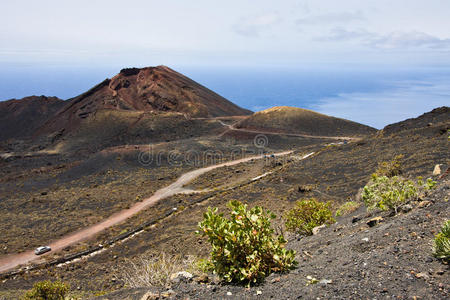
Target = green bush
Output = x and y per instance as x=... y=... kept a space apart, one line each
x=47 y=290
x=441 y=247
x=307 y=214
x=346 y=208
x=244 y=248
x=425 y=186
x=390 y=168
x=389 y=193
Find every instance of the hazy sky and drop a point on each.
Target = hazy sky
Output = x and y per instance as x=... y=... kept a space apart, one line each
x=205 y=32
x=256 y=53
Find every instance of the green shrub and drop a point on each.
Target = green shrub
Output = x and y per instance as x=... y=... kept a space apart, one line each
x=390 y=168
x=389 y=193
x=47 y=290
x=244 y=248
x=441 y=247
x=307 y=214
x=346 y=208
x=425 y=185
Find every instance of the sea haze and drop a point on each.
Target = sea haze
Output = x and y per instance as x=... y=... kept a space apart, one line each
x=372 y=96
x=375 y=97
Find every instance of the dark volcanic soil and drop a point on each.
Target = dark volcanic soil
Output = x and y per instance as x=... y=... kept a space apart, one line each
x=351 y=261
x=396 y=252
x=21 y=118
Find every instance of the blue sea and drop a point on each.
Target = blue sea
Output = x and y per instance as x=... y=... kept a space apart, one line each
x=372 y=96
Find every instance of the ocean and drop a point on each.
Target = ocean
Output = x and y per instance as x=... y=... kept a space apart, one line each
x=375 y=97
x=372 y=96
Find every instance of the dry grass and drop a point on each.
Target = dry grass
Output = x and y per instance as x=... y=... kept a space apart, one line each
x=154 y=270
x=347 y=208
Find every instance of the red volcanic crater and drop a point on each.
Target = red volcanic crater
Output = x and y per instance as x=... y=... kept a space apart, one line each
x=151 y=89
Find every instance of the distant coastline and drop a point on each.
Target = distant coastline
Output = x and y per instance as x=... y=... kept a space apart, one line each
x=375 y=97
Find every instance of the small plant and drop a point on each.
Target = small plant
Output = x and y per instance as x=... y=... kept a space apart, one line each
x=390 y=168
x=441 y=247
x=307 y=214
x=346 y=208
x=100 y=293
x=389 y=193
x=47 y=290
x=426 y=185
x=311 y=280
x=244 y=248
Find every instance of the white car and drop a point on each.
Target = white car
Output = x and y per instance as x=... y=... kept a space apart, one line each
x=42 y=250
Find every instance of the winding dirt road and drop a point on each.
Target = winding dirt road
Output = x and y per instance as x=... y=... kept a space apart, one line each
x=9 y=262
x=233 y=128
x=12 y=261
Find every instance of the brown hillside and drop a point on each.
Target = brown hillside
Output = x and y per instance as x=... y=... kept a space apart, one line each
x=151 y=89
x=440 y=115
x=21 y=118
x=302 y=121
x=57 y=194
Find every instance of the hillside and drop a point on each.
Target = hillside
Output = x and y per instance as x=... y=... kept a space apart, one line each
x=90 y=190
x=21 y=118
x=437 y=116
x=353 y=260
x=302 y=121
x=134 y=95
x=349 y=259
x=152 y=89
x=137 y=106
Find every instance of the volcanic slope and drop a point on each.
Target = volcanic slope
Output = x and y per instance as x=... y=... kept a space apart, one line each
x=285 y=119
x=21 y=118
x=335 y=172
x=151 y=89
x=137 y=106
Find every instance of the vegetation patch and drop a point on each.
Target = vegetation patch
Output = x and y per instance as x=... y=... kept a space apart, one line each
x=47 y=290
x=441 y=247
x=390 y=168
x=389 y=193
x=347 y=208
x=244 y=248
x=307 y=214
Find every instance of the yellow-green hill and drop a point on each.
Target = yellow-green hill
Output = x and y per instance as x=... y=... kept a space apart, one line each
x=302 y=121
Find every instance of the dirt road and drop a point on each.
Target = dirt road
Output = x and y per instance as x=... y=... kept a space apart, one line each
x=233 y=128
x=14 y=260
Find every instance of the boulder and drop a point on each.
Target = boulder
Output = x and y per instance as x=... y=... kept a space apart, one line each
x=437 y=170
x=374 y=221
x=177 y=277
x=424 y=204
x=317 y=229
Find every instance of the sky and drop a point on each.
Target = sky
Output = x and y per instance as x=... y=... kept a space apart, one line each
x=62 y=48
x=243 y=32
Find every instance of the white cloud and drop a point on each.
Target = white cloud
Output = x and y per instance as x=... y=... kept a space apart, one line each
x=412 y=39
x=204 y=32
x=254 y=26
x=340 y=34
x=391 y=40
x=331 y=18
